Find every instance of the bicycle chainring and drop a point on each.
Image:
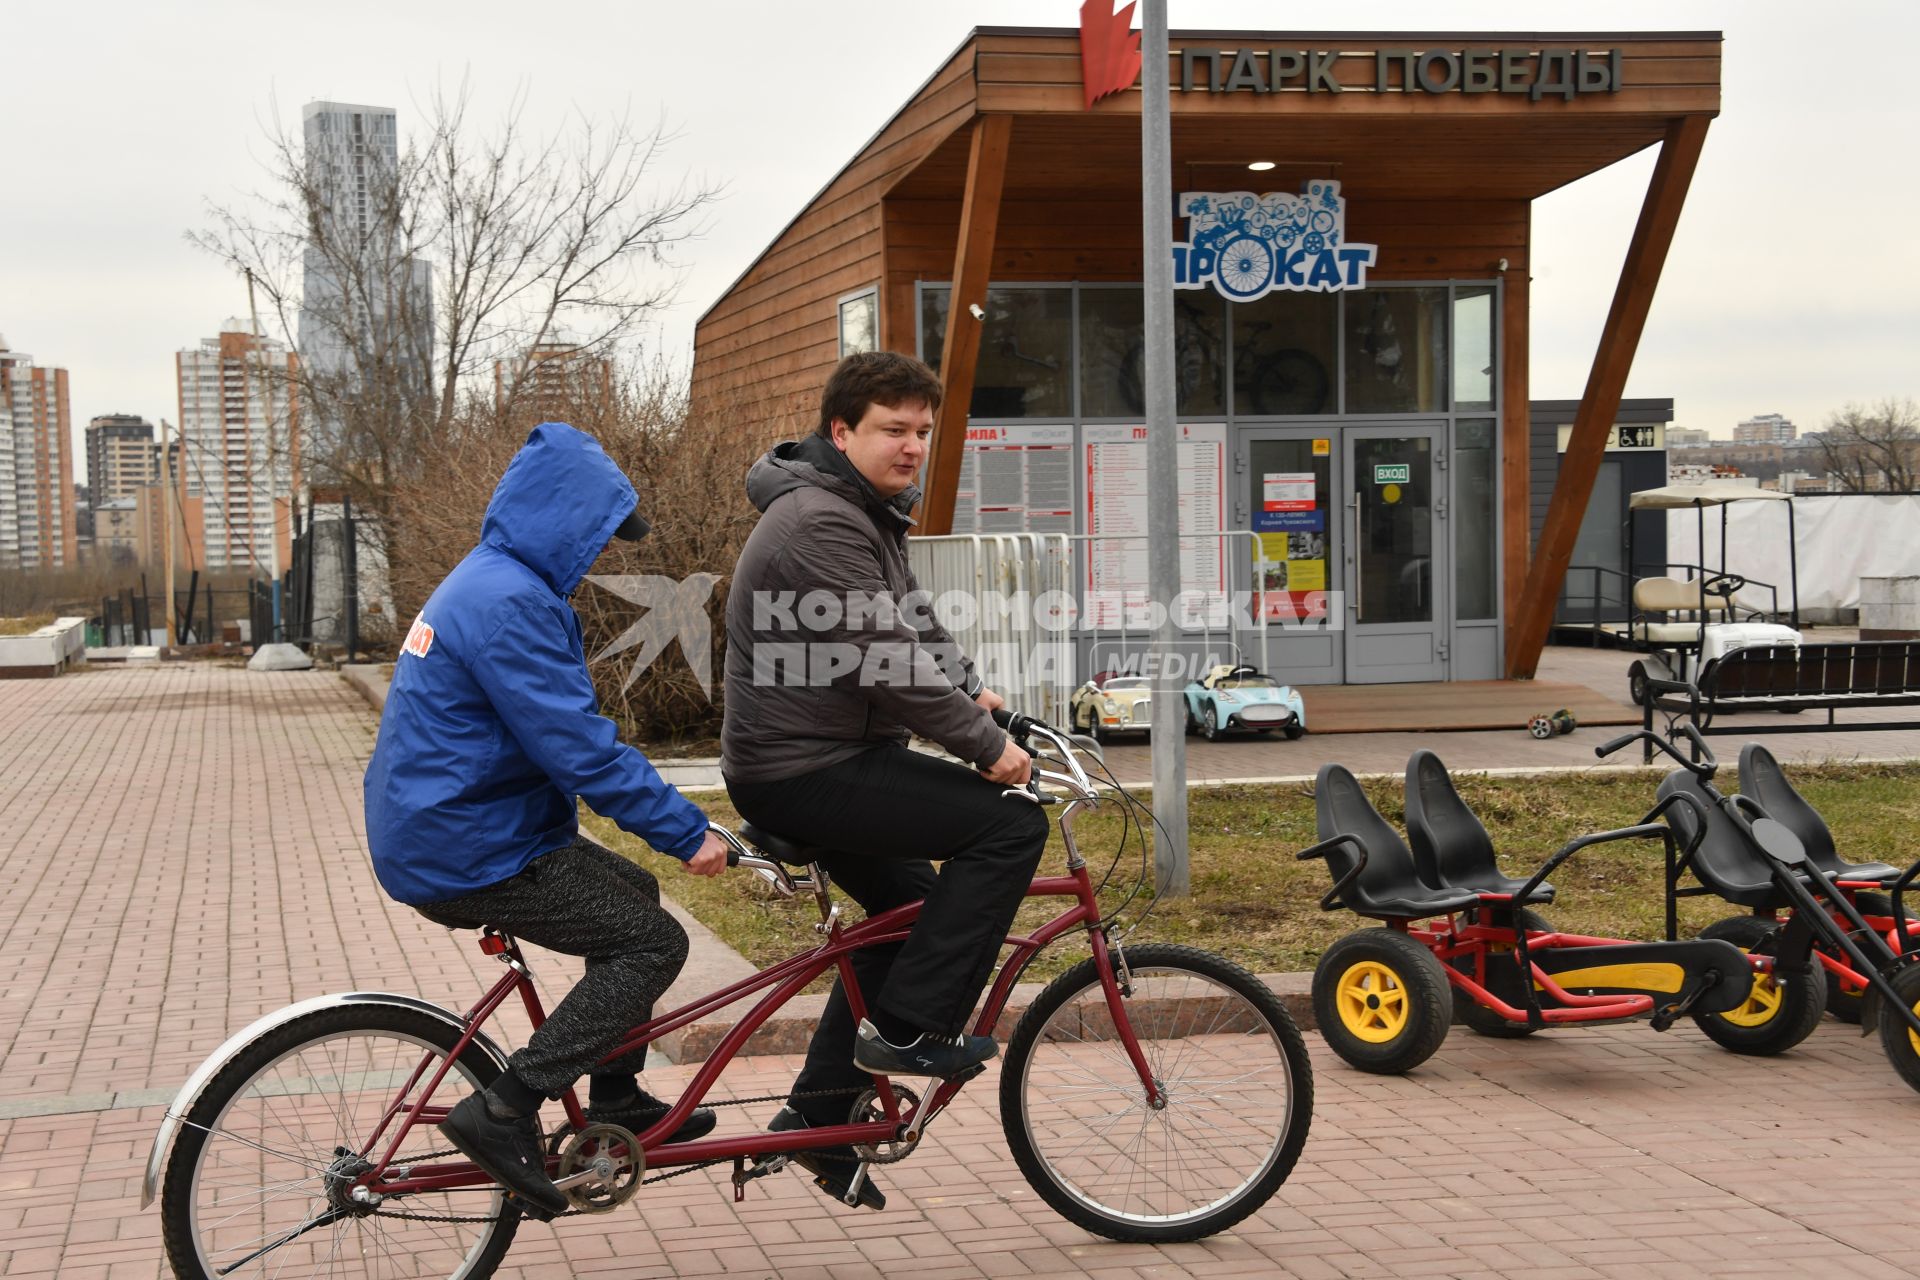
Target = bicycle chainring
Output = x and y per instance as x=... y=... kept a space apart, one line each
x=614 y=1156
x=867 y=1109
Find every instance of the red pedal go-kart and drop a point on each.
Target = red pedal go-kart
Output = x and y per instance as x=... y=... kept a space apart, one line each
x=1458 y=934
x=1829 y=922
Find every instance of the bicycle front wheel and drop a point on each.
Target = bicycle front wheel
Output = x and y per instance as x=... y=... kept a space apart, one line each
x=259 y=1180
x=1235 y=1086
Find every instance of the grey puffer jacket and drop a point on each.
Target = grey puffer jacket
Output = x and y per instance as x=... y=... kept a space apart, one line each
x=827 y=655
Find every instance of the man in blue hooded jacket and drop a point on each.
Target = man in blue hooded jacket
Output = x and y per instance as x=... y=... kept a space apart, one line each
x=491 y=731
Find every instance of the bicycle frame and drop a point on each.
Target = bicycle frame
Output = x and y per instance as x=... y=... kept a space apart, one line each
x=781 y=982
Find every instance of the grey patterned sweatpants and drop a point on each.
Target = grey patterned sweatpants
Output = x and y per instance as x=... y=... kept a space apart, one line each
x=582 y=900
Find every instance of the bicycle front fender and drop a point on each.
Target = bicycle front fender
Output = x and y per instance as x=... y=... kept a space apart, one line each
x=190 y=1091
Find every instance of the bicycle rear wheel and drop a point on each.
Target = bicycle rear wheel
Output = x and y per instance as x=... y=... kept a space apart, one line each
x=257 y=1181
x=1233 y=1073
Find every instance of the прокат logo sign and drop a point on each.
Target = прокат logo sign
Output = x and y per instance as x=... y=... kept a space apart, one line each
x=1249 y=245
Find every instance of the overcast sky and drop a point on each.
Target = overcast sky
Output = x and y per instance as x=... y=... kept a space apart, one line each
x=1793 y=285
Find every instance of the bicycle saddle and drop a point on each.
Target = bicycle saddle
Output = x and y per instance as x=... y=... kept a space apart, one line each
x=1387 y=887
x=780 y=848
x=1724 y=862
x=1451 y=848
x=1762 y=778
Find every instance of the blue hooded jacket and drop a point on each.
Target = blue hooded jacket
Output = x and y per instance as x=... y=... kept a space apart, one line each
x=491 y=726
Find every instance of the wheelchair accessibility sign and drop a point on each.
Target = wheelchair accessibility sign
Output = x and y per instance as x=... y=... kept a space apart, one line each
x=1247 y=246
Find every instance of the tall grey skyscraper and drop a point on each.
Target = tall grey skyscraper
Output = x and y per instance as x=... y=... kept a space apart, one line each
x=366 y=303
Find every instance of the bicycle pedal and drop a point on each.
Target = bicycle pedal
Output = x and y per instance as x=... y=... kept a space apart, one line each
x=961 y=1077
x=528 y=1209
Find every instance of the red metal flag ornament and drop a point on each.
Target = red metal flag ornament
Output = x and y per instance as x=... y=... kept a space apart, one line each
x=1109 y=49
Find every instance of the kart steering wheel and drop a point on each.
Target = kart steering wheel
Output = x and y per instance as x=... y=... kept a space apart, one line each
x=1723 y=584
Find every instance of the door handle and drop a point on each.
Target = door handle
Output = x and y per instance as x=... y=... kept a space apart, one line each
x=1353 y=588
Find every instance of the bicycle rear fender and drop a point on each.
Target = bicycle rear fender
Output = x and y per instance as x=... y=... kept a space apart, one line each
x=190 y=1091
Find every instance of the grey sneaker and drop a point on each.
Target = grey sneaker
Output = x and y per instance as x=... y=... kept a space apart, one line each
x=925 y=1055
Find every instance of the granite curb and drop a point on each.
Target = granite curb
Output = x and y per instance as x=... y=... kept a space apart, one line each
x=791 y=1026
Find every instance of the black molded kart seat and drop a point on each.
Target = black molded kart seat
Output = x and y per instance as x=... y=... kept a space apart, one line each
x=791 y=852
x=1724 y=862
x=1388 y=887
x=1451 y=848
x=1765 y=782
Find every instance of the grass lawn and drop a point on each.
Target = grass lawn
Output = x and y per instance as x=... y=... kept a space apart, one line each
x=1251 y=901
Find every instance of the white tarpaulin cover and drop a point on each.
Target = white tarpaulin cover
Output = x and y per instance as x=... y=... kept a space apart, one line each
x=1843 y=538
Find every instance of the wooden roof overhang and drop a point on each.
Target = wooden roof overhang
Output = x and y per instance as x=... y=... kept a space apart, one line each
x=1380 y=145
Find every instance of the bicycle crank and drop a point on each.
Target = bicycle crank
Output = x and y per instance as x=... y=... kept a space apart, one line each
x=601 y=1168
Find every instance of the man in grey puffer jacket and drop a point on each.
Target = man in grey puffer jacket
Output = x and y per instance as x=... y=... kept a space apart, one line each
x=830 y=666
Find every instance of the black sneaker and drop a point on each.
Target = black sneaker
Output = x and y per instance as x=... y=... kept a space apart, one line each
x=832 y=1167
x=508 y=1150
x=925 y=1055
x=642 y=1111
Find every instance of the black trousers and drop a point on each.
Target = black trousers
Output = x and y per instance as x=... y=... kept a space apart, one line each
x=889 y=814
x=582 y=900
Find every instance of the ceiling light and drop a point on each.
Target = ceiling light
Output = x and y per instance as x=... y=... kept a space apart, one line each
x=1261 y=166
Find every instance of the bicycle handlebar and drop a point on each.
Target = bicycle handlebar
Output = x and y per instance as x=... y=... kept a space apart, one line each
x=1017 y=725
x=1705 y=767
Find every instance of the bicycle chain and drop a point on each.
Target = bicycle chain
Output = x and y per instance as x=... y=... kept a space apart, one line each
x=404 y=1216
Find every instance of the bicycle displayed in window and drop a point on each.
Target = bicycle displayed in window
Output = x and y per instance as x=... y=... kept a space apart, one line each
x=1150 y=1093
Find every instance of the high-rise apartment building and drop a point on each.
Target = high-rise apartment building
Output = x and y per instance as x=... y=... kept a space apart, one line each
x=37 y=526
x=365 y=302
x=121 y=457
x=239 y=420
x=1765 y=428
x=552 y=380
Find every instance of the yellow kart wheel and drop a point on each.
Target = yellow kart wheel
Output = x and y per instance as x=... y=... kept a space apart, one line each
x=1763 y=1003
x=1780 y=1010
x=1900 y=1041
x=1372 y=1002
x=1382 y=1001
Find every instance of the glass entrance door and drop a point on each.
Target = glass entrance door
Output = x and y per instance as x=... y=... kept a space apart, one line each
x=1396 y=554
x=1287 y=496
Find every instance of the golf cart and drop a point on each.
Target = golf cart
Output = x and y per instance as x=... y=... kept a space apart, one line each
x=1683 y=624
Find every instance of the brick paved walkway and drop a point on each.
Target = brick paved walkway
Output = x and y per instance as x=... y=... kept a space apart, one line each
x=182 y=849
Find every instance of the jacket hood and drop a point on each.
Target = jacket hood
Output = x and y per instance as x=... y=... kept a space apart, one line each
x=558 y=504
x=814 y=461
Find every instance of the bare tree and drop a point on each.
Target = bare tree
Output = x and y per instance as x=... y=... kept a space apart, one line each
x=407 y=289
x=1873 y=448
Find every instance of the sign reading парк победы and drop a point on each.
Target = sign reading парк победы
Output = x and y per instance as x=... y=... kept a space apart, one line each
x=1247 y=246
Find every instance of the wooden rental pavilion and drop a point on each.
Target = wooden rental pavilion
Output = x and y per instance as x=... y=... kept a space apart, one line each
x=998 y=181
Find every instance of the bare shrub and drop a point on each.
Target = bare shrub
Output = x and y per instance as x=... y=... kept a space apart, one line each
x=689 y=476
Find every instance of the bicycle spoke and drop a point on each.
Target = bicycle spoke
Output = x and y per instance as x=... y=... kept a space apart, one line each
x=271 y=1162
x=1212 y=1138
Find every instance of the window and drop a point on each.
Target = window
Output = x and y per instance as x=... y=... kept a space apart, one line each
x=1476 y=571
x=1026 y=350
x=1283 y=354
x=1113 y=353
x=860 y=322
x=1396 y=351
x=1473 y=355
